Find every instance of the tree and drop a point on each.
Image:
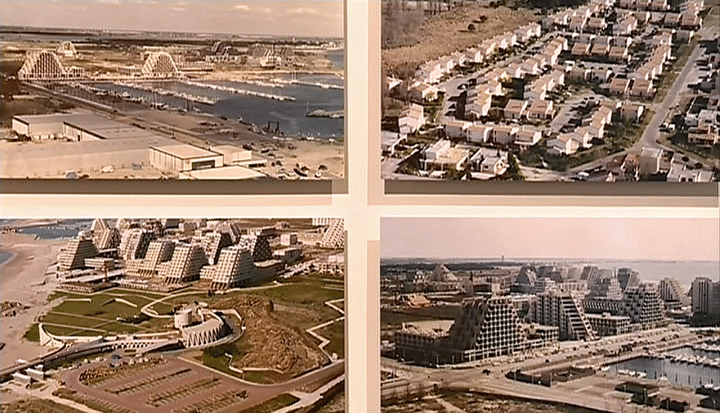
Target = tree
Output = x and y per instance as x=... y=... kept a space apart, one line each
x=400 y=24
x=513 y=172
x=471 y=27
x=455 y=175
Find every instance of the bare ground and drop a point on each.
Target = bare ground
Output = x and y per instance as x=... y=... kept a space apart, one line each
x=24 y=280
x=444 y=33
x=275 y=344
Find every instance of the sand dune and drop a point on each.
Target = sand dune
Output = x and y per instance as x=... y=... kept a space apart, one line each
x=23 y=280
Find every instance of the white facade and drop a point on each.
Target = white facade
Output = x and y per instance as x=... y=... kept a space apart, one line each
x=479 y=133
x=183 y=157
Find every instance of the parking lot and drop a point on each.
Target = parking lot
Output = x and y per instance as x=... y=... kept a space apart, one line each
x=176 y=385
x=168 y=387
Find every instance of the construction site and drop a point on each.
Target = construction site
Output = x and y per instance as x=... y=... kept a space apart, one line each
x=274 y=106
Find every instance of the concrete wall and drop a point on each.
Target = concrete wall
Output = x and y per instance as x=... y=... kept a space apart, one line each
x=20 y=127
x=37 y=131
x=165 y=162
x=79 y=135
x=171 y=163
x=57 y=165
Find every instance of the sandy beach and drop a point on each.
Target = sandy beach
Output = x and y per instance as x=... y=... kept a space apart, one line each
x=23 y=280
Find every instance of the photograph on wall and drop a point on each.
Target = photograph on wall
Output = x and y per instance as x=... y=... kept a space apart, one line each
x=173 y=315
x=549 y=314
x=601 y=91
x=200 y=90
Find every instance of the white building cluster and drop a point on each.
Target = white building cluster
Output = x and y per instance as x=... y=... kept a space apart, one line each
x=218 y=254
x=510 y=310
x=578 y=48
x=84 y=142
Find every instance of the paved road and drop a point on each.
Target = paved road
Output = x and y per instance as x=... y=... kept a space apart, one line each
x=470 y=376
x=651 y=134
x=389 y=167
x=652 y=131
x=540 y=174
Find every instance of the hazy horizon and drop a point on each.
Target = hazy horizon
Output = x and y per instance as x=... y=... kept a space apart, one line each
x=252 y=18
x=555 y=259
x=658 y=239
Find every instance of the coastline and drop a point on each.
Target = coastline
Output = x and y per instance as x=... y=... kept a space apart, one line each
x=10 y=257
x=24 y=280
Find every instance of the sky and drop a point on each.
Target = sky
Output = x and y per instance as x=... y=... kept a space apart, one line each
x=662 y=239
x=260 y=17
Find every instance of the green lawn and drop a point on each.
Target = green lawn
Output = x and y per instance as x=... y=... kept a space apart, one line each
x=162 y=308
x=141 y=293
x=57 y=294
x=216 y=358
x=135 y=299
x=66 y=331
x=184 y=299
x=115 y=292
x=157 y=324
x=32 y=334
x=101 y=307
x=120 y=328
x=70 y=320
x=36 y=406
x=336 y=334
x=265 y=377
x=273 y=404
x=305 y=292
x=101 y=313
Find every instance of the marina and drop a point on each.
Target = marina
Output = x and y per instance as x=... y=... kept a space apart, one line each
x=318 y=115
x=686 y=366
x=241 y=91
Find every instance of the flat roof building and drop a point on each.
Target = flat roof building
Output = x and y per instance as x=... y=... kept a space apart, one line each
x=607 y=324
x=75 y=126
x=487 y=163
x=40 y=126
x=178 y=157
x=440 y=156
x=234 y=172
x=93 y=127
x=53 y=159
